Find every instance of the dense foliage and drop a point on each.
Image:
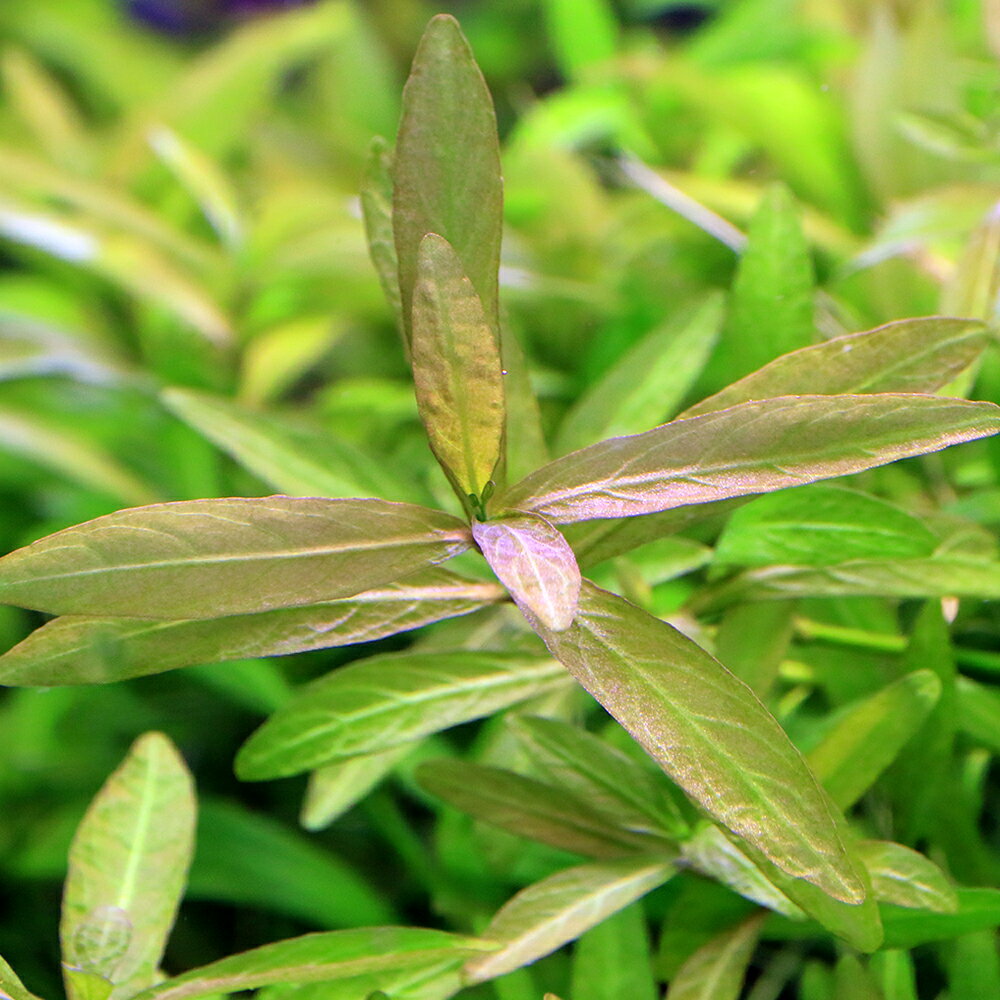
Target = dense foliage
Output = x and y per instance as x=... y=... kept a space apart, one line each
x=660 y=691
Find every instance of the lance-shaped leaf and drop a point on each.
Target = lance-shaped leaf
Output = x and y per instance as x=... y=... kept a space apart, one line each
x=906 y=878
x=560 y=908
x=80 y=650
x=11 y=988
x=536 y=565
x=387 y=700
x=127 y=869
x=457 y=372
x=447 y=168
x=912 y=355
x=716 y=970
x=530 y=808
x=709 y=732
x=317 y=958
x=751 y=448
x=376 y=208
x=207 y=558
x=613 y=960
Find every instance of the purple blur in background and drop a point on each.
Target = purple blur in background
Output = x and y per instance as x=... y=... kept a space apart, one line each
x=184 y=17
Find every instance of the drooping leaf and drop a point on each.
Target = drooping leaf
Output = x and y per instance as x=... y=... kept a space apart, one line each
x=530 y=808
x=386 y=700
x=560 y=908
x=612 y=959
x=322 y=957
x=11 y=988
x=376 y=207
x=457 y=372
x=911 y=355
x=447 y=165
x=536 y=565
x=708 y=731
x=865 y=737
x=750 y=448
x=206 y=558
x=127 y=869
x=906 y=878
x=716 y=970
x=80 y=650
x=821 y=525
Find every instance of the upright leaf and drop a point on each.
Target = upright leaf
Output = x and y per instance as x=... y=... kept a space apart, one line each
x=536 y=565
x=206 y=558
x=447 y=168
x=716 y=970
x=127 y=869
x=457 y=373
x=750 y=448
x=559 y=909
x=612 y=959
x=376 y=207
x=708 y=731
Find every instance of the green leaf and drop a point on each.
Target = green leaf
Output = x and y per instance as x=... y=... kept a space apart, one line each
x=530 y=808
x=978 y=909
x=906 y=878
x=206 y=558
x=376 y=207
x=771 y=306
x=911 y=355
x=634 y=796
x=750 y=448
x=821 y=525
x=708 y=731
x=447 y=168
x=979 y=713
x=973 y=967
x=297 y=460
x=29 y=348
x=317 y=958
x=894 y=974
x=648 y=383
x=865 y=738
x=550 y=913
x=612 y=959
x=583 y=34
x=716 y=970
x=457 y=373
x=11 y=988
x=79 y=650
x=127 y=869
x=752 y=640
x=386 y=700
x=536 y=565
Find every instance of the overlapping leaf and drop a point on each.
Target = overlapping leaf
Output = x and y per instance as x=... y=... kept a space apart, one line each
x=906 y=878
x=716 y=970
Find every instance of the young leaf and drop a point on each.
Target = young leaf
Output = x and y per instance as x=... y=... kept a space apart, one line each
x=865 y=738
x=717 y=969
x=559 y=909
x=206 y=558
x=386 y=700
x=612 y=959
x=536 y=565
x=754 y=447
x=906 y=878
x=457 y=373
x=708 y=731
x=81 y=650
x=376 y=207
x=529 y=808
x=447 y=168
x=911 y=355
x=317 y=958
x=127 y=869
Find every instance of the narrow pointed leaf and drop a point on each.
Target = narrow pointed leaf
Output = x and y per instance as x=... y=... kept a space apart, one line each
x=456 y=369
x=750 y=448
x=536 y=565
x=11 y=988
x=447 y=167
x=716 y=970
x=317 y=958
x=206 y=558
x=866 y=737
x=387 y=700
x=612 y=959
x=550 y=913
x=709 y=732
x=911 y=355
x=376 y=207
x=80 y=650
x=127 y=869
x=530 y=808
x=905 y=877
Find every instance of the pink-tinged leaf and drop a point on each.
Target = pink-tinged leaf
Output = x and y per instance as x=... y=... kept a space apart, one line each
x=536 y=565
x=457 y=372
x=209 y=558
x=709 y=732
x=751 y=448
